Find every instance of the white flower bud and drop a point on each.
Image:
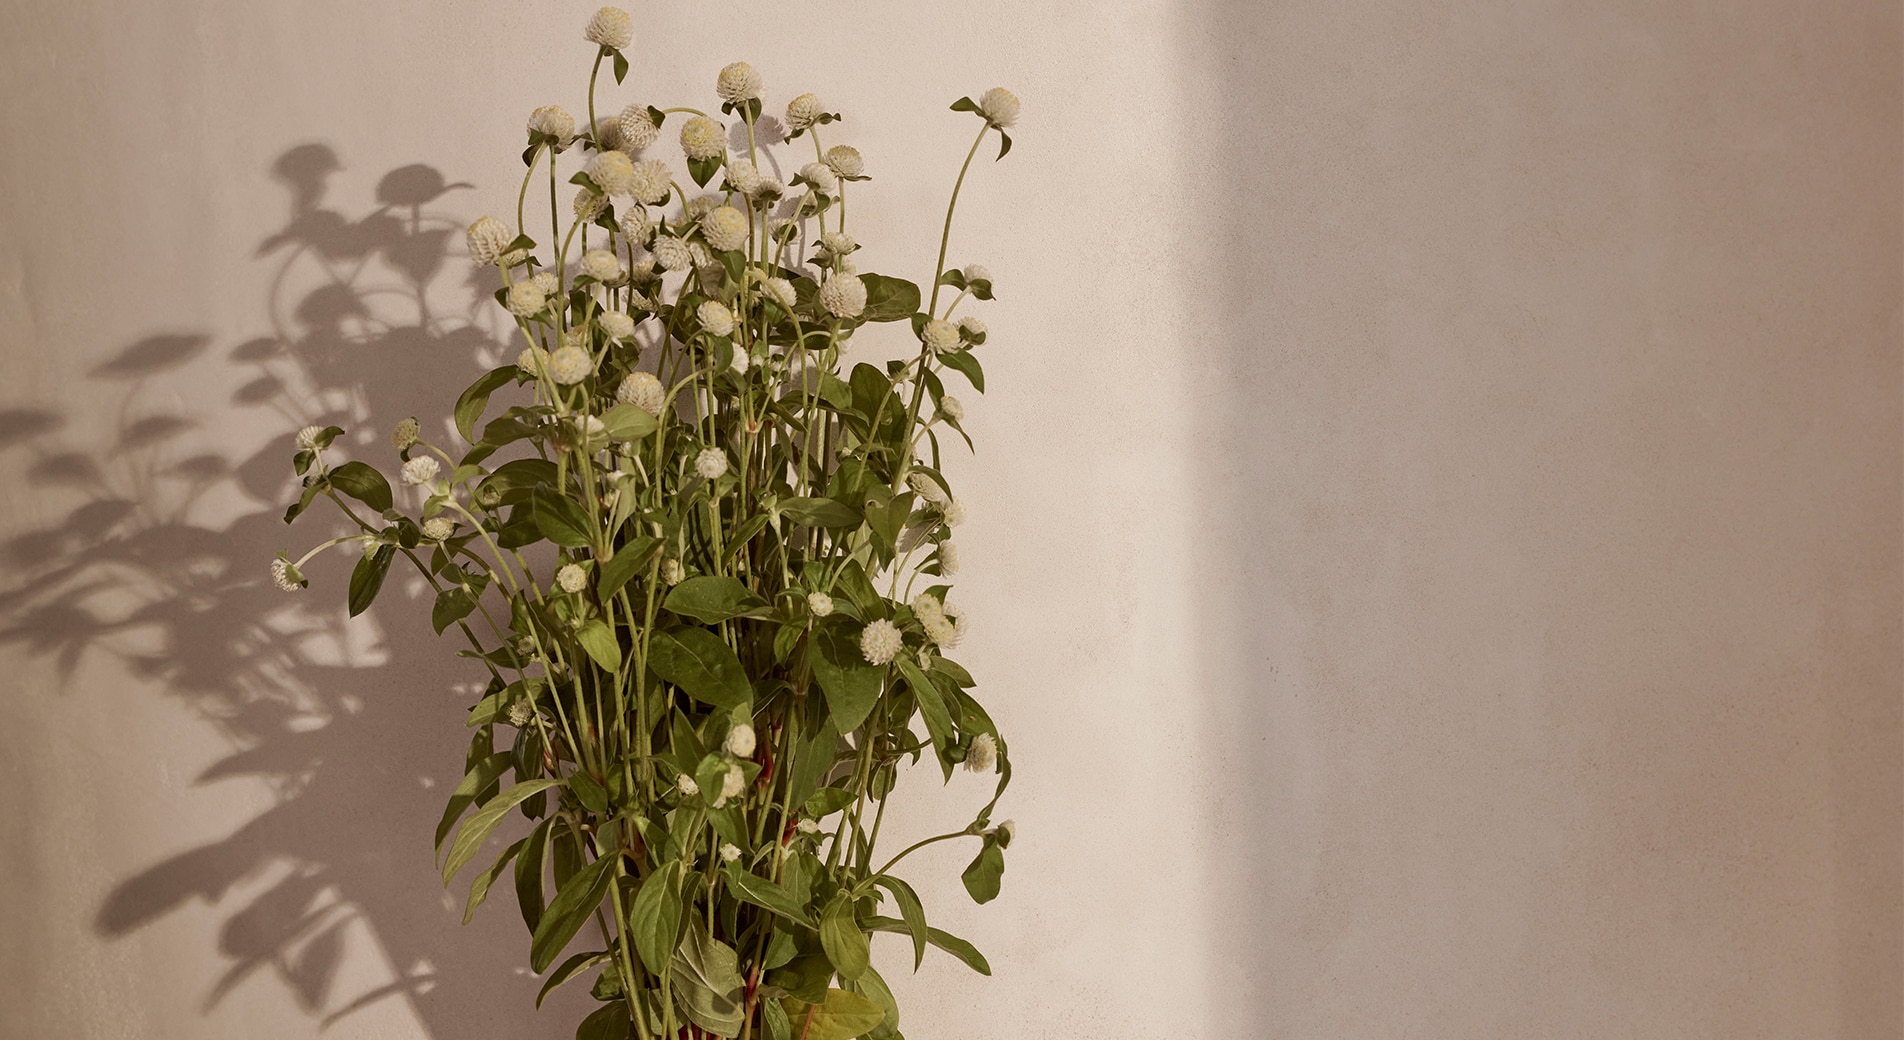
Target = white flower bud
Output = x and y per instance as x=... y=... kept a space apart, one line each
x=527 y=298
x=982 y=756
x=821 y=177
x=406 y=433
x=729 y=853
x=602 y=265
x=927 y=488
x=673 y=572
x=711 y=463
x=642 y=390
x=744 y=176
x=972 y=327
x=732 y=784
x=589 y=205
x=649 y=182
x=616 y=325
x=686 y=785
x=286 y=574
x=715 y=318
x=438 y=528
x=520 y=713
x=780 y=291
x=954 y=514
x=807 y=827
x=952 y=408
x=636 y=127
x=553 y=121
x=976 y=273
x=307 y=438
x=941 y=336
x=672 y=254
x=725 y=228
x=613 y=172
x=839 y=243
x=843 y=295
x=948 y=559
x=803 y=110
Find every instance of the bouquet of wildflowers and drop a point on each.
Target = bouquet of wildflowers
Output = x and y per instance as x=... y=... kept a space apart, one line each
x=706 y=565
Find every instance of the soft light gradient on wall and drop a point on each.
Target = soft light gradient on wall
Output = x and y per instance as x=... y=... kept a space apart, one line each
x=1436 y=526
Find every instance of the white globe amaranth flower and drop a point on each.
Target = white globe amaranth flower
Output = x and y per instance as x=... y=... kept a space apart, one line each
x=612 y=171
x=945 y=627
x=529 y=359
x=839 y=243
x=803 y=110
x=602 y=265
x=527 y=298
x=608 y=134
x=286 y=574
x=642 y=272
x=725 y=228
x=738 y=82
x=820 y=604
x=438 y=528
x=733 y=782
x=703 y=138
x=513 y=258
x=611 y=27
x=977 y=273
x=729 y=852
x=741 y=362
x=616 y=325
x=780 y=291
x=952 y=408
x=307 y=438
x=999 y=106
x=546 y=281
x=926 y=605
x=421 y=470
x=740 y=741
x=941 y=336
x=948 y=559
x=846 y=161
x=588 y=204
x=650 y=182
x=808 y=827
x=925 y=487
x=636 y=127
x=686 y=785
x=1006 y=831
x=843 y=295
x=821 y=177
x=701 y=205
x=673 y=572
x=768 y=191
x=879 y=641
x=406 y=433
x=972 y=327
x=982 y=755
x=672 y=254
x=487 y=239
x=954 y=513
x=575 y=338
x=744 y=176
x=711 y=463
x=520 y=713
x=715 y=318
x=570 y=365
x=572 y=578
x=635 y=225
x=642 y=390
x=555 y=122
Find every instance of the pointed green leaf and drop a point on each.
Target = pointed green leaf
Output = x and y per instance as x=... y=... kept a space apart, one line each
x=850 y=683
x=559 y=519
x=570 y=909
x=698 y=661
x=529 y=866
x=963 y=361
x=707 y=980
x=845 y=944
x=820 y=512
x=570 y=968
x=362 y=483
x=601 y=643
x=911 y=912
x=479 y=886
x=367 y=577
x=477 y=828
x=981 y=877
x=751 y=888
x=843 y=1016
x=630 y=559
x=469 y=407
x=944 y=940
x=655 y=918
x=712 y=599
x=889 y=299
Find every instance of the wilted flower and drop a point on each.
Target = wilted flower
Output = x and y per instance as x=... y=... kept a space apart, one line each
x=780 y=291
x=954 y=514
x=686 y=785
x=601 y=265
x=999 y=106
x=637 y=127
x=821 y=177
x=438 y=528
x=729 y=852
x=941 y=336
x=673 y=572
x=672 y=254
x=572 y=578
x=611 y=27
x=405 y=434
x=553 y=121
x=616 y=325
x=588 y=204
x=845 y=161
x=642 y=390
x=820 y=604
x=703 y=138
x=951 y=408
x=880 y=641
x=843 y=295
x=803 y=110
x=715 y=318
x=570 y=365
x=982 y=756
x=307 y=438
x=487 y=238
x=738 y=82
x=649 y=182
x=725 y=228
x=286 y=574
x=527 y=298
x=421 y=470
x=711 y=463
x=740 y=741
x=612 y=171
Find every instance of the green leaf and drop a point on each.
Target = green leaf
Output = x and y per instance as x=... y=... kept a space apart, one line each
x=751 y=888
x=708 y=983
x=827 y=801
x=512 y=481
x=774 y=1018
x=592 y=795
x=812 y=763
x=873 y=987
x=480 y=776
x=845 y=944
x=952 y=670
x=529 y=875
x=889 y=299
x=981 y=877
x=630 y=559
x=479 y=887
x=965 y=104
x=570 y=909
x=851 y=684
x=477 y=828
x=560 y=520
x=820 y=512
x=1004 y=144
x=570 y=968
x=655 y=918
x=367 y=577
x=610 y=1021
x=601 y=643
x=626 y=422
x=712 y=599
x=702 y=170
x=843 y=1016
x=963 y=361
x=910 y=911
x=362 y=483
x=944 y=940
x=469 y=407
x=621 y=66
x=452 y=605
x=931 y=707
x=698 y=661
x=303 y=502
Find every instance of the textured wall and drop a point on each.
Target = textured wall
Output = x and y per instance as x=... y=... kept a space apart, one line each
x=1436 y=537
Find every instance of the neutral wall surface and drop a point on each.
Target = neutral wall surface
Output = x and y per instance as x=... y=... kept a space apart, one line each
x=1436 y=524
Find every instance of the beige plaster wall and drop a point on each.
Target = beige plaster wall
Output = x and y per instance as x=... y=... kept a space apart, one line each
x=1435 y=531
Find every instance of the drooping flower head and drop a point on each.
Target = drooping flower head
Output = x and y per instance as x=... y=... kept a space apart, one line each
x=952 y=408
x=703 y=138
x=780 y=291
x=982 y=756
x=570 y=365
x=838 y=243
x=725 y=228
x=738 y=82
x=421 y=470
x=616 y=325
x=487 y=239
x=948 y=559
x=307 y=438
x=642 y=390
x=879 y=641
x=954 y=513
x=611 y=27
x=821 y=177
x=286 y=574
x=999 y=106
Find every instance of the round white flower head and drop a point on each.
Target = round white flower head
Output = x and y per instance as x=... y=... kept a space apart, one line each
x=845 y=160
x=926 y=605
x=971 y=326
x=982 y=756
x=487 y=238
x=642 y=390
x=738 y=82
x=740 y=741
x=703 y=138
x=999 y=106
x=769 y=190
x=438 y=528
x=672 y=254
x=552 y=120
x=637 y=127
x=927 y=488
x=686 y=785
x=948 y=559
x=406 y=433
x=700 y=206
x=528 y=358
x=520 y=713
x=546 y=281
x=307 y=438
x=611 y=27
x=673 y=572
x=941 y=336
x=725 y=228
x=711 y=463
x=780 y=291
x=650 y=181
x=729 y=853
x=803 y=110
x=946 y=627
x=952 y=408
x=716 y=318
x=741 y=362
x=954 y=514
x=821 y=177
x=513 y=258
x=570 y=365
x=744 y=176
x=613 y=172
x=286 y=575
x=880 y=641
x=977 y=273
x=421 y=470
x=527 y=298
x=616 y=325
x=839 y=243
x=589 y=205
x=820 y=604
x=608 y=134
x=807 y=827
x=843 y=295
x=572 y=578
x=635 y=225
x=602 y=265
x=732 y=784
